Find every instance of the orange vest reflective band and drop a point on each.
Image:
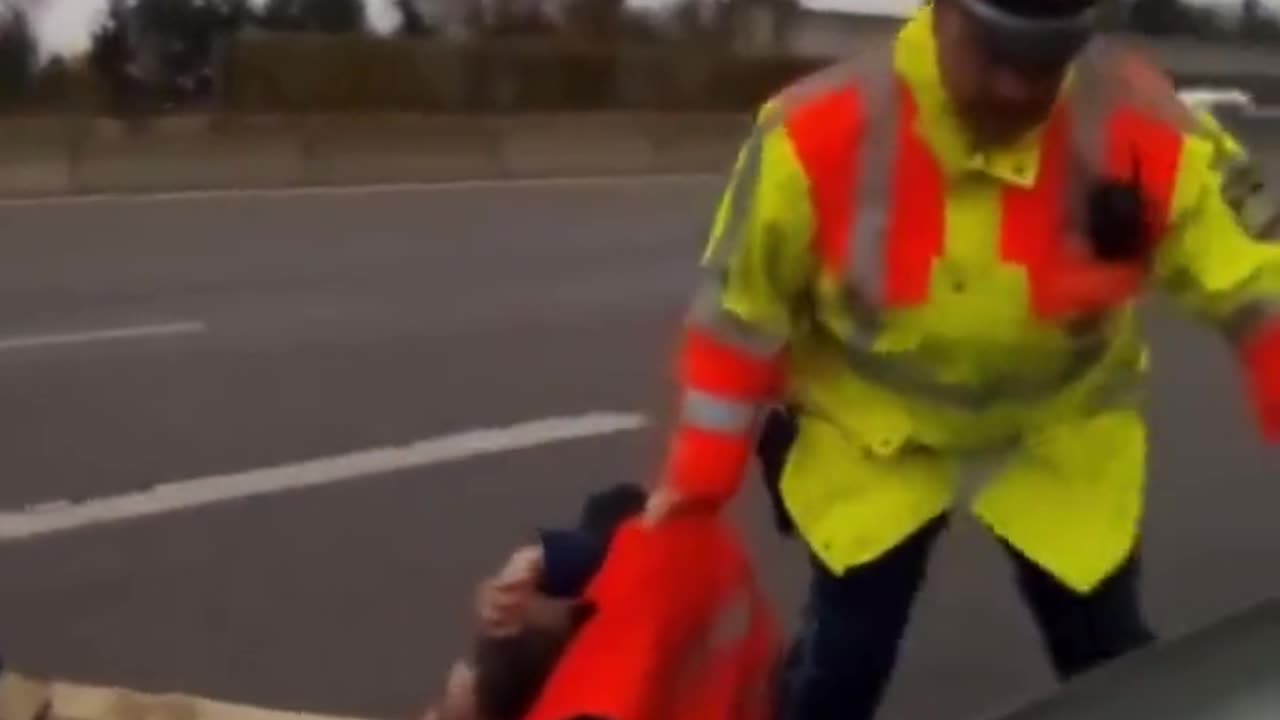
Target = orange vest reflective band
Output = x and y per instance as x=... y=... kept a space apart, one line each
x=880 y=195
x=727 y=374
x=680 y=633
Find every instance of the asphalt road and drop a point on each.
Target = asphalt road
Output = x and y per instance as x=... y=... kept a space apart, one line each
x=329 y=324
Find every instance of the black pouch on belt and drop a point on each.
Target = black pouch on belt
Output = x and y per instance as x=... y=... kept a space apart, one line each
x=1117 y=219
x=773 y=446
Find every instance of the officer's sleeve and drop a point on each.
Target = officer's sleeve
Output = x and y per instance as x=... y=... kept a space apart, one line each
x=1221 y=259
x=756 y=269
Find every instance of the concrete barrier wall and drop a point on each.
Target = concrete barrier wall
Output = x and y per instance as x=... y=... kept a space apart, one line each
x=28 y=698
x=41 y=156
x=60 y=156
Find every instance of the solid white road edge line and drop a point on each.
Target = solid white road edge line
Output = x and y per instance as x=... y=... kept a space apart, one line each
x=27 y=342
x=74 y=700
x=349 y=190
x=56 y=517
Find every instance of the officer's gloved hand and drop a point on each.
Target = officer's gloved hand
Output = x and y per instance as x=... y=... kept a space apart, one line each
x=772 y=449
x=1111 y=267
x=1117 y=219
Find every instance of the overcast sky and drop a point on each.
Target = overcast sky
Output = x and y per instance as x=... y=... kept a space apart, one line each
x=64 y=26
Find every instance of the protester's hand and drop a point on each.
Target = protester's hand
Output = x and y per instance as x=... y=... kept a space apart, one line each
x=459 y=699
x=504 y=601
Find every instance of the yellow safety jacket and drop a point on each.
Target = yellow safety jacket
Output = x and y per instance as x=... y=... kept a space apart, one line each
x=905 y=293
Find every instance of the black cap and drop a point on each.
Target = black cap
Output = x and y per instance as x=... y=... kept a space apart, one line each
x=605 y=511
x=1044 y=9
x=1035 y=32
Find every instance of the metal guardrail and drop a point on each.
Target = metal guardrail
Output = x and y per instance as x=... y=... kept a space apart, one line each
x=46 y=156
x=1227 y=671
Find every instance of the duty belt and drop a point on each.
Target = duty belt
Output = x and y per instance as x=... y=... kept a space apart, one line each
x=901 y=376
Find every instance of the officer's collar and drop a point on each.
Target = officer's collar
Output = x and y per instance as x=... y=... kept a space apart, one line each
x=916 y=60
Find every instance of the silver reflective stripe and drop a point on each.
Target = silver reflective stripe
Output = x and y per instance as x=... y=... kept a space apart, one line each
x=1248 y=319
x=897 y=375
x=708 y=314
x=742 y=191
x=871 y=71
x=1090 y=104
x=1259 y=215
x=871 y=57
x=872 y=189
x=705 y=411
x=1241 y=178
x=1090 y=107
x=1092 y=100
x=1122 y=390
x=871 y=204
x=708 y=311
x=1245 y=191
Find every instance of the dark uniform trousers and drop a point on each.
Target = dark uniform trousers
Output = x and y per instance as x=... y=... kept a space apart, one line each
x=847 y=646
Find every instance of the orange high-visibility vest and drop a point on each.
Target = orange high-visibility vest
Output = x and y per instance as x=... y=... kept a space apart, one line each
x=878 y=198
x=680 y=632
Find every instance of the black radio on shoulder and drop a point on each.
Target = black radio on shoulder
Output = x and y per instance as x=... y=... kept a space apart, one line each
x=1117 y=217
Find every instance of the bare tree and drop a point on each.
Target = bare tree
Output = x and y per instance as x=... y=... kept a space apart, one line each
x=18 y=55
x=330 y=16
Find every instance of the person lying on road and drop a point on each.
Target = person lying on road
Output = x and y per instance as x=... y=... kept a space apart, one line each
x=528 y=611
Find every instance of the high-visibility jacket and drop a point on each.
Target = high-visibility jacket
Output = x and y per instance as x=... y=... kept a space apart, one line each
x=917 y=299
x=679 y=632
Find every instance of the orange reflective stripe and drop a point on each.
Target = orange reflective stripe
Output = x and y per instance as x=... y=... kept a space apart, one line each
x=878 y=194
x=736 y=680
x=826 y=118
x=1034 y=219
x=1116 y=122
x=705 y=464
x=825 y=132
x=917 y=221
x=1136 y=115
x=1156 y=146
x=712 y=365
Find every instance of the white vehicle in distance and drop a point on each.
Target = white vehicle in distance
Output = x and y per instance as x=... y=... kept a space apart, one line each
x=1217 y=99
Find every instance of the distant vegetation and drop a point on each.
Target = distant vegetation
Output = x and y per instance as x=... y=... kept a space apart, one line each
x=490 y=55
x=155 y=55
x=1240 y=19
x=17 y=56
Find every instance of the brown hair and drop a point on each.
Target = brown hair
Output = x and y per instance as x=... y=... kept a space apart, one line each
x=511 y=671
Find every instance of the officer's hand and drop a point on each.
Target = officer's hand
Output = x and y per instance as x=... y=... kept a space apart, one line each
x=662 y=503
x=504 y=602
x=666 y=502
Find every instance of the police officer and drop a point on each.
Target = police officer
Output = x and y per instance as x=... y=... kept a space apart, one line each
x=933 y=251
